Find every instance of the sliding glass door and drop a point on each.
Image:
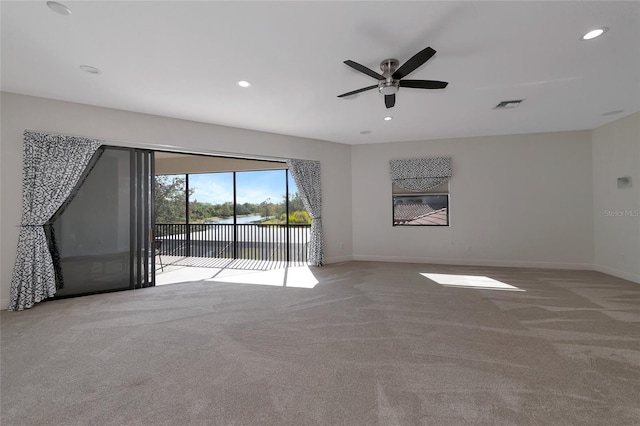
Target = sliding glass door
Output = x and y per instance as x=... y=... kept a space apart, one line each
x=101 y=239
x=252 y=215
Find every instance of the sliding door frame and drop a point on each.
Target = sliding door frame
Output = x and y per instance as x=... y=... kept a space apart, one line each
x=141 y=217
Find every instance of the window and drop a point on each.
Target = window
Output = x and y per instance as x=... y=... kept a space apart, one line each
x=420 y=191
x=427 y=208
x=421 y=210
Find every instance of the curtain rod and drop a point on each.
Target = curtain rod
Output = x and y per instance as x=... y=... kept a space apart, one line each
x=171 y=148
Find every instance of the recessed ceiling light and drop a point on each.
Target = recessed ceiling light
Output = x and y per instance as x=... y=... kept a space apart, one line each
x=243 y=83
x=614 y=112
x=90 y=69
x=59 y=8
x=388 y=118
x=595 y=33
x=365 y=132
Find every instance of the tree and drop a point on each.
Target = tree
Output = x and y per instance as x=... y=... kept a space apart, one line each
x=280 y=208
x=300 y=217
x=200 y=211
x=297 y=213
x=170 y=199
x=244 y=209
x=295 y=203
x=266 y=208
x=226 y=209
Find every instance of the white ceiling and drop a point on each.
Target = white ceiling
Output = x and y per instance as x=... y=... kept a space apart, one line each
x=183 y=59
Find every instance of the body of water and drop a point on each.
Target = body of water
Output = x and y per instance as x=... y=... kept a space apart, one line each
x=241 y=220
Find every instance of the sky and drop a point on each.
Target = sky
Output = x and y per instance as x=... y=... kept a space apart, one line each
x=252 y=187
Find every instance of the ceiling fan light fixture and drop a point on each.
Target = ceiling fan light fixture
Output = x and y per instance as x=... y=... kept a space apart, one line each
x=594 y=33
x=388 y=88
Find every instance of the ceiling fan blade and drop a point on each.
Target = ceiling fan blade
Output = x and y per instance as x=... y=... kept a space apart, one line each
x=423 y=84
x=413 y=63
x=365 y=70
x=390 y=100
x=358 y=91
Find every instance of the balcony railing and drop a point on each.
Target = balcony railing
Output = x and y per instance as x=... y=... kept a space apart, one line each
x=255 y=242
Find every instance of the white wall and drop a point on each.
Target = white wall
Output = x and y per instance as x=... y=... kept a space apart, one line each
x=521 y=200
x=141 y=130
x=616 y=213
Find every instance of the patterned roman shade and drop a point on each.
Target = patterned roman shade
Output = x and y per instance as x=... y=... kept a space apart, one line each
x=420 y=174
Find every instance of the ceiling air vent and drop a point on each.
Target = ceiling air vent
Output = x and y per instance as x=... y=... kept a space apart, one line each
x=508 y=104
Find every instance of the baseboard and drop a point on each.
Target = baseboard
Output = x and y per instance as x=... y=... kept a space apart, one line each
x=338 y=259
x=617 y=273
x=477 y=262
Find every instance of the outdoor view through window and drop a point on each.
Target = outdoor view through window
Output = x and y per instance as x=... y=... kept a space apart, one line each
x=421 y=210
x=257 y=227
x=260 y=198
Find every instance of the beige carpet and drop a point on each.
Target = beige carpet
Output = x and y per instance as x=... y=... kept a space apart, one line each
x=370 y=344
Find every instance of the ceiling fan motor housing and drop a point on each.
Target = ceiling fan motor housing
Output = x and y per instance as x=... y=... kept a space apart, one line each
x=389 y=86
x=389 y=66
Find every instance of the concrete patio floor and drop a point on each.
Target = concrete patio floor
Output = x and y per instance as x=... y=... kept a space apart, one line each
x=179 y=269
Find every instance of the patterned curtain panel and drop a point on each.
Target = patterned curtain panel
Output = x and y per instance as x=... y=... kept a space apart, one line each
x=52 y=166
x=306 y=174
x=420 y=174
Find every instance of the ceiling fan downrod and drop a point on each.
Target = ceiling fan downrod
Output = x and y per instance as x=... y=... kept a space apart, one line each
x=388 y=86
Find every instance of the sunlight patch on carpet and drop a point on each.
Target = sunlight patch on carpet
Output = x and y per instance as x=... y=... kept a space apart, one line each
x=470 y=281
x=298 y=277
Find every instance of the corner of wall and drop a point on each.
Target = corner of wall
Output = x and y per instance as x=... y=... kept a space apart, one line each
x=615 y=150
x=617 y=273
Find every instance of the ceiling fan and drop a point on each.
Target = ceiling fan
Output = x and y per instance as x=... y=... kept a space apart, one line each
x=391 y=78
